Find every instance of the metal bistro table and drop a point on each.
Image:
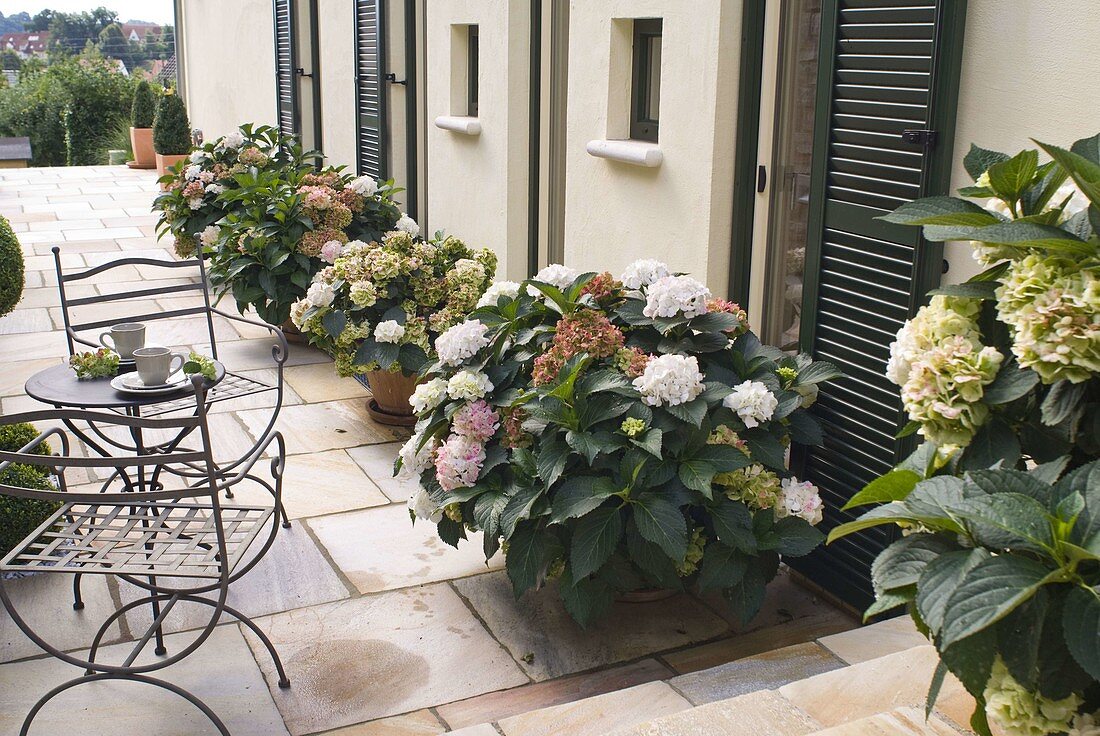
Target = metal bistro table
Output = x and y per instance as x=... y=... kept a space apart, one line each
x=59 y=387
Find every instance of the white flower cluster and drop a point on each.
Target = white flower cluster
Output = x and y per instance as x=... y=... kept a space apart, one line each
x=509 y=289
x=670 y=380
x=423 y=507
x=408 y=225
x=753 y=402
x=364 y=186
x=428 y=395
x=556 y=275
x=1020 y=712
x=413 y=461
x=643 y=272
x=461 y=342
x=209 y=235
x=234 y=140
x=467 y=385
x=389 y=330
x=320 y=294
x=669 y=296
x=1085 y=724
x=801 y=499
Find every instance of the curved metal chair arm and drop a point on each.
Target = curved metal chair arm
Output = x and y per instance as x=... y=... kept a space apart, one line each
x=277 y=463
x=280 y=351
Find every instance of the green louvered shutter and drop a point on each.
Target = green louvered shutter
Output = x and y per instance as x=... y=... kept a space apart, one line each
x=370 y=92
x=888 y=69
x=286 y=80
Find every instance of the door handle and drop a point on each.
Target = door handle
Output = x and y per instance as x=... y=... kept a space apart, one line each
x=761 y=178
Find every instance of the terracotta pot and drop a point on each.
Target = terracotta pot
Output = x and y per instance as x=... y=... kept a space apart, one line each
x=141 y=140
x=390 y=398
x=293 y=334
x=646 y=595
x=165 y=162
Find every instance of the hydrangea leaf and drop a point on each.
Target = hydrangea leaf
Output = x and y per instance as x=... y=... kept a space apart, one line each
x=990 y=591
x=579 y=495
x=594 y=539
x=722 y=567
x=941 y=211
x=938 y=581
x=903 y=562
x=894 y=486
x=733 y=525
x=530 y=552
x=661 y=523
x=978 y=160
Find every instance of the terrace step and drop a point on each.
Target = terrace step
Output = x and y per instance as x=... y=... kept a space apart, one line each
x=898 y=722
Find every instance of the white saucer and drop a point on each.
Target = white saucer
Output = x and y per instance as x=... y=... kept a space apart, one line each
x=130 y=383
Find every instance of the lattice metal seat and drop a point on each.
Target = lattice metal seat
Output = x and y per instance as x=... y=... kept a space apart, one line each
x=143 y=538
x=233 y=386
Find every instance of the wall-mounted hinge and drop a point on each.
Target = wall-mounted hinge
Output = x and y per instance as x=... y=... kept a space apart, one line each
x=761 y=178
x=392 y=79
x=925 y=138
x=302 y=72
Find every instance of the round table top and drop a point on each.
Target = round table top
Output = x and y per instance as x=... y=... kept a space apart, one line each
x=59 y=386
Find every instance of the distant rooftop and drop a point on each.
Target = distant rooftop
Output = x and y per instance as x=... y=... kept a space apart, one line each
x=15 y=149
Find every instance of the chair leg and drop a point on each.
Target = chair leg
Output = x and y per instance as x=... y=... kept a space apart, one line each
x=78 y=600
x=160 y=650
x=286 y=519
x=176 y=689
x=284 y=681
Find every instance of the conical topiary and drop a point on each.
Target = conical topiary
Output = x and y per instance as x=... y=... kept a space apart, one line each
x=11 y=268
x=171 y=131
x=145 y=106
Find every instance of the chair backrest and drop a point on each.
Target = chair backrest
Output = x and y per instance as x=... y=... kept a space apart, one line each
x=86 y=332
x=135 y=473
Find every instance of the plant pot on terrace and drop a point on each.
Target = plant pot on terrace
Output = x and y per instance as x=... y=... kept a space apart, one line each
x=171 y=132
x=142 y=114
x=390 y=394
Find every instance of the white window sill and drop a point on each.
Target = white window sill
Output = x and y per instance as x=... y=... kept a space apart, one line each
x=638 y=153
x=457 y=124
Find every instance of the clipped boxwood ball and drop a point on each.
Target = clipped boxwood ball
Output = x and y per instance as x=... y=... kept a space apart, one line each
x=11 y=268
x=21 y=516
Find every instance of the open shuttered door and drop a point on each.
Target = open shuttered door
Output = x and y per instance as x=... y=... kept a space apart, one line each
x=370 y=92
x=887 y=86
x=286 y=80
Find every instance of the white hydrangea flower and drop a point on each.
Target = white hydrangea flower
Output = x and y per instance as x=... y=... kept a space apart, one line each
x=1021 y=712
x=298 y=313
x=234 y=140
x=428 y=395
x=389 y=331
x=670 y=380
x=467 y=385
x=320 y=294
x=209 y=235
x=408 y=225
x=753 y=402
x=801 y=499
x=508 y=289
x=643 y=272
x=195 y=203
x=197 y=157
x=364 y=186
x=414 y=462
x=672 y=295
x=192 y=172
x=214 y=189
x=1069 y=191
x=422 y=505
x=556 y=275
x=461 y=342
x=1085 y=724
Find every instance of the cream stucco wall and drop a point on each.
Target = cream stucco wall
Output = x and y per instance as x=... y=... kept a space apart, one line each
x=1029 y=73
x=229 y=63
x=680 y=211
x=336 y=29
x=477 y=185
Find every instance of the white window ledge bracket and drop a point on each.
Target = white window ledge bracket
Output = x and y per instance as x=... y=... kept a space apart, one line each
x=638 y=153
x=457 y=124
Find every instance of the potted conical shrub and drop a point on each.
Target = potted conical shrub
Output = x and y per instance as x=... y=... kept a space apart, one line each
x=11 y=269
x=142 y=113
x=171 y=132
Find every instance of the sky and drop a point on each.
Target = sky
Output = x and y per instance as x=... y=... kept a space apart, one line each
x=158 y=11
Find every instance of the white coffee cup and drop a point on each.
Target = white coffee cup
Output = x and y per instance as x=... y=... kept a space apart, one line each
x=125 y=338
x=155 y=364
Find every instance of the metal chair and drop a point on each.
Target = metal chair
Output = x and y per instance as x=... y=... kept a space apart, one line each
x=142 y=533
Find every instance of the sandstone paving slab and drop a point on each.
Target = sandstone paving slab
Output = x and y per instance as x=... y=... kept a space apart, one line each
x=222 y=672
x=377 y=462
x=69 y=261
x=381 y=549
x=763 y=713
x=117 y=310
x=83 y=246
x=417 y=723
x=261 y=400
x=900 y=722
x=244 y=355
x=101 y=233
x=33 y=346
x=321 y=483
x=15 y=217
x=767 y=671
x=895 y=681
x=45 y=601
x=598 y=715
x=481 y=729
x=39 y=298
x=318 y=427
x=292 y=574
x=537 y=627
x=17 y=370
x=320 y=382
x=876 y=640
x=59 y=225
x=22 y=321
x=381 y=655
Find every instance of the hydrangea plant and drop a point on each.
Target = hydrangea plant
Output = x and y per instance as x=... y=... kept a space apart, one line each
x=616 y=435
x=380 y=305
x=999 y=564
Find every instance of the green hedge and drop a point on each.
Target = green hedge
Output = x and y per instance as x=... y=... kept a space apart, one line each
x=21 y=516
x=11 y=268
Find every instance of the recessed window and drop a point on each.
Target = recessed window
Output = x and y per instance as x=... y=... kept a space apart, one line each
x=645 y=90
x=471 y=70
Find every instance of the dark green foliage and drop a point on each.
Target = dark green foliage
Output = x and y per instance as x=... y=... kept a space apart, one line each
x=171 y=130
x=20 y=516
x=144 y=108
x=11 y=268
x=14 y=437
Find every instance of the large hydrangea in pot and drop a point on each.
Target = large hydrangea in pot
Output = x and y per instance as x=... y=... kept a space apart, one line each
x=379 y=306
x=616 y=435
x=999 y=563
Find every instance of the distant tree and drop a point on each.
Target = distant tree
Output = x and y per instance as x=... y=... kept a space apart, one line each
x=168 y=38
x=114 y=44
x=71 y=32
x=40 y=21
x=14 y=23
x=10 y=59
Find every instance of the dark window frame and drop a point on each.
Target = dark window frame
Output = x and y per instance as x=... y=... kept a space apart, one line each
x=642 y=127
x=472 y=45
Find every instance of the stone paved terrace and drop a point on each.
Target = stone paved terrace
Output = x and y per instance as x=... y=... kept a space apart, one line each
x=385 y=631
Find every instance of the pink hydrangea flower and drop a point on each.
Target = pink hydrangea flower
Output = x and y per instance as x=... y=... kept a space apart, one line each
x=476 y=421
x=458 y=462
x=330 y=251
